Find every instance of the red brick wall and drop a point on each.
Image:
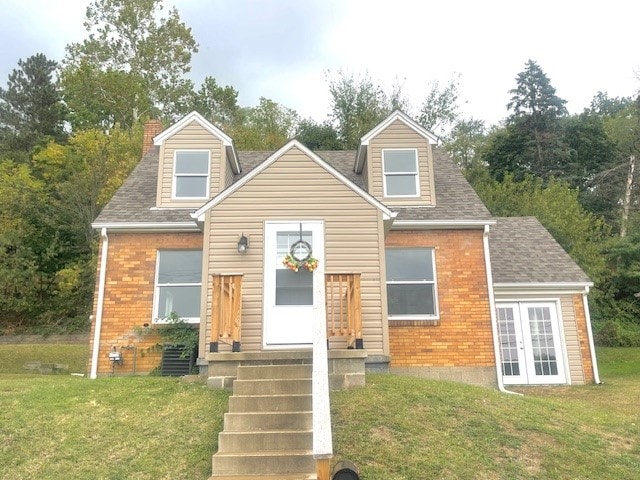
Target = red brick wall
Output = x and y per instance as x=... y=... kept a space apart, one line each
x=462 y=336
x=583 y=338
x=128 y=301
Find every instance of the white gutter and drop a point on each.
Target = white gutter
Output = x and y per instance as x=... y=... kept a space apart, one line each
x=160 y=226
x=100 y=303
x=492 y=307
x=431 y=224
x=587 y=316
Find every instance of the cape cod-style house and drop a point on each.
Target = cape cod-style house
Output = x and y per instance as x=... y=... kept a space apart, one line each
x=413 y=274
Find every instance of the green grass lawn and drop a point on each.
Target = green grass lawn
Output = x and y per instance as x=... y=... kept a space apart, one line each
x=61 y=427
x=14 y=357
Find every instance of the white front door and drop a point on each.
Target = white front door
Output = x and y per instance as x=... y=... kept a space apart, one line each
x=530 y=347
x=289 y=296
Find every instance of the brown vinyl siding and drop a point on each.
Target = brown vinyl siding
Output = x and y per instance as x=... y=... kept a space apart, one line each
x=192 y=137
x=296 y=188
x=399 y=135
x=578 y=371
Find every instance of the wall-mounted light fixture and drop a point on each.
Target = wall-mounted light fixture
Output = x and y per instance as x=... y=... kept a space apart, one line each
x=243 y=244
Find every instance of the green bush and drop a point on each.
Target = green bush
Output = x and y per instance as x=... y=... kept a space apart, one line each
x=618 y=334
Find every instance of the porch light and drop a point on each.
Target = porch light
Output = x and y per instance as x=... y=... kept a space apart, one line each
x=243 y=244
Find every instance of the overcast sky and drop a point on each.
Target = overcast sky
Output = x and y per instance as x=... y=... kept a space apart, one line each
x=284 y=49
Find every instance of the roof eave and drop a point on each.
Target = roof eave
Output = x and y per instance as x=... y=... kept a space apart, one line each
x=147 y=226
x=440 y=224
x=513 y=287
x=193 y=116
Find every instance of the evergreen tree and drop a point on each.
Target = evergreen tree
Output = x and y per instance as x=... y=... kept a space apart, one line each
x=536 y=145
x=30 y=107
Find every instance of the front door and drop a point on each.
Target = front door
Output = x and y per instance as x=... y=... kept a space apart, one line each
x=530 y=346
x=289 y=295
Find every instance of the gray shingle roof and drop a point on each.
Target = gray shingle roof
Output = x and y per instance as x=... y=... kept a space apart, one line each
x=136 y=199
x=455 y=198
x=523 y=251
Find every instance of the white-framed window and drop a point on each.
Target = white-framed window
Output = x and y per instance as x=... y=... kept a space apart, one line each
x=411 y=283
x=178 y=285
x=191 y=170
x=400 y=172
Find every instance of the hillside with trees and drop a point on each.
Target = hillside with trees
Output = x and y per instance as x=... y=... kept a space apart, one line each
x=71 y=129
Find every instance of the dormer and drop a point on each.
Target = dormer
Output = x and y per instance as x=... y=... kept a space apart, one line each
x=396 y=161
x=196 y=162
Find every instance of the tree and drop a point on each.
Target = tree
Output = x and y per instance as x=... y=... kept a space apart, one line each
x=31 y=109
x=531 y=141
x=133 y=36
x=318 y=136
x=83 y=175
x=556 y=205
x=217 y=104
x=358 y=105
x=440 y=108
x=265 y=127
x=464 y=142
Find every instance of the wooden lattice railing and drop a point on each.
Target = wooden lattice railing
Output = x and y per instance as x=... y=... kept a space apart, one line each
x=226 y=311
x=344 y=307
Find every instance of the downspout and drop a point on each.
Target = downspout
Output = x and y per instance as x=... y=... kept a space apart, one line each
x=492 y=307
x=592 y=348
x=100 y=303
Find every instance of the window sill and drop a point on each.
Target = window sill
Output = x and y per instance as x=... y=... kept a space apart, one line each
x=414 y=322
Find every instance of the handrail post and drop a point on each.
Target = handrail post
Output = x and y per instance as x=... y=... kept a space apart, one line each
x=215 y=312
x=357 y=306
x=322 y=444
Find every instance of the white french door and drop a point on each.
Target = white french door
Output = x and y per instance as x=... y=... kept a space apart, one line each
x=289 y=296
x=530 y=347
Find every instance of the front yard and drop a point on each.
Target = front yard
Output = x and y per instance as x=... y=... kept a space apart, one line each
x=62 y=426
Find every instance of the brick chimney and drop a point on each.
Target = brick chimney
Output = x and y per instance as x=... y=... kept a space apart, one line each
x=151 y=129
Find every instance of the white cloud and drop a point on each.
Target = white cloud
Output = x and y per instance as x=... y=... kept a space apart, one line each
x=283 y=49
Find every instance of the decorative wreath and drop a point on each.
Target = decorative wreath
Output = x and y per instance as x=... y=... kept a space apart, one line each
x=300 y=257
x=310 y=264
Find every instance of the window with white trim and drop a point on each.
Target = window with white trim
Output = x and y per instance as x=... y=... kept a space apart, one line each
x=178 y=285
x=191 y=174
x=411 y=283
x=400 y=172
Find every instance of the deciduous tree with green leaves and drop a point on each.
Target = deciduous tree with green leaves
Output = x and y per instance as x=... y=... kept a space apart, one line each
x=136 y=38
x=358 y=104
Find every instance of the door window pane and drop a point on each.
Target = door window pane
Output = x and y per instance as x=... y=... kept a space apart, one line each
x=542 y=344
x=294 y=288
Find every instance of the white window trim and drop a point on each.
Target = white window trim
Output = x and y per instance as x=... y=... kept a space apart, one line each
x=176 y=175
x=385 y=174
x=155 y=318
x=434 y=282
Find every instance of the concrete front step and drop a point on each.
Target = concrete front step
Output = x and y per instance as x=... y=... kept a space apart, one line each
x=260 y=372
x=270 y=403
x=268 y=430
x=266 y=441
x=264 y=463
x=259 y=421
x=290 y=386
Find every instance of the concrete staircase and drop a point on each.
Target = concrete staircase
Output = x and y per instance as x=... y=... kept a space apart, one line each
x=268 y=430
